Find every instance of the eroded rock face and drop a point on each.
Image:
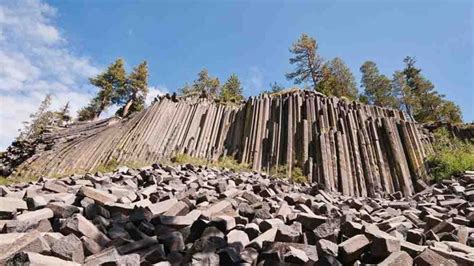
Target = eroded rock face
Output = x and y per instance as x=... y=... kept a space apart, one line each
x=347 y=147
x=185 y=215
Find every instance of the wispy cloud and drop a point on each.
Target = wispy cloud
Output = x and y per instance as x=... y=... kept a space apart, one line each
x=154 y=91
x=36 y=59
x=254 y=81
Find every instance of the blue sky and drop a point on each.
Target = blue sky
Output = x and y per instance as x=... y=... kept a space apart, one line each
x=251 y=39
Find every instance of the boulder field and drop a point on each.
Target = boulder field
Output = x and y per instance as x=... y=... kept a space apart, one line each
x=195 y=215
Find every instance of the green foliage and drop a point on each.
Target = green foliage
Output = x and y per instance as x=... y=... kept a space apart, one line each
x=281 y=171
x=403 y=93
x=108 y=82
x=377 y=87
x=275 y=88
x=108 y=167
x=408 y=90
x=308 y=62
x=449 y=112
x=187 y=90
x=223 y=162
x=363 y=99
x=17 y=178
x=88 y=112
x=298 y=176
x=44 y=119
x=231 y=163
x=116 y=87
x=64 y=114
x=420 y=99
x=184 y=158
x=4 y=181
x=38 y=120
x=7 y=181
x=136 y=106
x=451 y=156
x=204 y=83
x=337 y=80
x=132 y=95
x=231 y=90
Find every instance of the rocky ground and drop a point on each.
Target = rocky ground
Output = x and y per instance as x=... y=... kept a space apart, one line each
x=195 y=215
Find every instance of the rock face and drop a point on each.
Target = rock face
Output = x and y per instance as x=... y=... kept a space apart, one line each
x=180 y=215
x=348 y=147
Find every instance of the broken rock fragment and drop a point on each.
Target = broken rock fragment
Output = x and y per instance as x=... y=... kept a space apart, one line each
x=182 y=215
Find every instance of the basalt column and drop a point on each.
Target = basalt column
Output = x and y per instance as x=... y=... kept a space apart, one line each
x=342 y=145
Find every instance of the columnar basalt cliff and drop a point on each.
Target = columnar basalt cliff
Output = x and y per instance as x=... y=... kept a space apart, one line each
x=342 y=145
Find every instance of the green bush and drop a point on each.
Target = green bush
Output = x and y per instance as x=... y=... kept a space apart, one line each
x=298 y=176
x=108 y=167
x=452 y=156
x=281 y=171
x=231 y=163
x=183 y=158
x=223 y=162
x=16 y=179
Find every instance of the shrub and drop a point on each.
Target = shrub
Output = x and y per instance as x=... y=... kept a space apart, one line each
x=183 y=158
x=298 y=176
x=16 y=179
x=231 y=163
x=108 y=167
x=281 y=171
x=223 y=162
x=451 y=156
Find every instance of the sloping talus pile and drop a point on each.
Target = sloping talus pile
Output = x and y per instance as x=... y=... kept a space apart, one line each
x=190 y=215
x=345 y=146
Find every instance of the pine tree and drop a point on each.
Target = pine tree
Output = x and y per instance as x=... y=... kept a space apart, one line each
x=231 y=90
x=337 y=80
x=419 y=97
x=308 y=63
x=204 y=83
x=402 y=92
x=132 y=95
x=90 y=111
x=449 y=113
x=63 y=114
x=377 y=87
x=38 y=120
x=108 y=82
x=274 y=88
x=186 y=89
x=210 y=85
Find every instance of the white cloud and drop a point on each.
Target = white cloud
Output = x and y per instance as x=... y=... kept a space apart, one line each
x=35 y=60
x=254 y=80
x=109 y=111
x=153 y=92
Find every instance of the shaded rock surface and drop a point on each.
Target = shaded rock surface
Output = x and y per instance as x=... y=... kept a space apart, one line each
x=183 y=215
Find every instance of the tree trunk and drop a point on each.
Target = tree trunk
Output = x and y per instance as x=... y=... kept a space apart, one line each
x=96 y=116
x=102 y=107
x=127 y=107
x=312 y=70
x=410 y=113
